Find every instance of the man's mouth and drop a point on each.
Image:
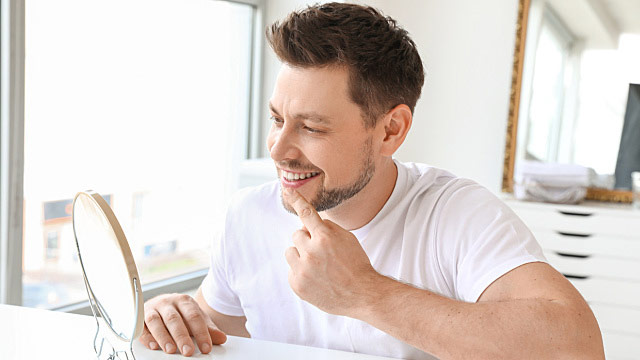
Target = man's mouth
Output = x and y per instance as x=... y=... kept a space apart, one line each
x=298 y=176
x=296 y=180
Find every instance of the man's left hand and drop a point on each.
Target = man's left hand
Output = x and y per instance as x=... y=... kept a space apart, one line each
x=328 y=266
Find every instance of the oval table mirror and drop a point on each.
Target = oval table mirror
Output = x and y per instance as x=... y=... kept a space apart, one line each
x=110 y=276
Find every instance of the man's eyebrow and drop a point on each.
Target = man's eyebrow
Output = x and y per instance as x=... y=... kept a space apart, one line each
x=311 y=116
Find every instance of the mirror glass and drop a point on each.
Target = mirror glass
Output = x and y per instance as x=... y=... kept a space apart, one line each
x=108 y=265
x=580 y=98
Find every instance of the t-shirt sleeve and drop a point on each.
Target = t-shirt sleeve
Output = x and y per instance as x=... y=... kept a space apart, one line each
x=482 y=239
x=216 y=287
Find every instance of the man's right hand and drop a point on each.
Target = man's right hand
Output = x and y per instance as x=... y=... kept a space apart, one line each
x=170 y=320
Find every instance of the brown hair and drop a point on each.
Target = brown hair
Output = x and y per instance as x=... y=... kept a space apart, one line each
x=385 y=69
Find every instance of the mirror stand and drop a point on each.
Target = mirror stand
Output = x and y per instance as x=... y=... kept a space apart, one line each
x=117 y=345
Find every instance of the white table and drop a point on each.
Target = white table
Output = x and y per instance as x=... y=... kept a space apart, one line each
x=27 y=333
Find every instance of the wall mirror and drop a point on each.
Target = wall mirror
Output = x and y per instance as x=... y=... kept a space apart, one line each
x=575 y=94
x=110 y=276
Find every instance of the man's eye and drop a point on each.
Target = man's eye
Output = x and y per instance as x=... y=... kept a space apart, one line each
x=311 y=130
x=276 y=120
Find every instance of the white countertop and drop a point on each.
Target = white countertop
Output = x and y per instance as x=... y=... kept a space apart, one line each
x=27 y=333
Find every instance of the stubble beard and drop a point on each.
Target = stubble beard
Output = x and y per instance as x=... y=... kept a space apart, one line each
x=326 y=199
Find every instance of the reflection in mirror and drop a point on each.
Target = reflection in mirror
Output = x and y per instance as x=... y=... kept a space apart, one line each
x=109 y=271
x=579 y=95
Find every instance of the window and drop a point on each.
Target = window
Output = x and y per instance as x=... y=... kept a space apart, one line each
x=51 y=247
x=551 y=76
x=148 y=103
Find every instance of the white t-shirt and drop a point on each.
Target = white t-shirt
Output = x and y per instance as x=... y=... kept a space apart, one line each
x=437 y=232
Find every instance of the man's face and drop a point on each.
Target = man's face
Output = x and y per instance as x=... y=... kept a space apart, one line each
x=318 y=136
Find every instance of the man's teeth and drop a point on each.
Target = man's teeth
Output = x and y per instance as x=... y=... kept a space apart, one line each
x=297 y=176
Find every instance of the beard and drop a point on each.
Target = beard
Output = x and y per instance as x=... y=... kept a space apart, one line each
x=325 y=198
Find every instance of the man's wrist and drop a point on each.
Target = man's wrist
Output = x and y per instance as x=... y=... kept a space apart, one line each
x=371 y=296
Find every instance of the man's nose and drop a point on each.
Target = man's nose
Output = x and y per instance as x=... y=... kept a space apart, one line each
x=284 y=145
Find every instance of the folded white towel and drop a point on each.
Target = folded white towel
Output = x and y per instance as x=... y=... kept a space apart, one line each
x=552 y=174
x=534 y=191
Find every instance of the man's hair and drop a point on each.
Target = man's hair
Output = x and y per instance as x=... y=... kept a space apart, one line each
x=384 y=66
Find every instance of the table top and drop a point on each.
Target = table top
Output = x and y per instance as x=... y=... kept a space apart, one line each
x=27 y=333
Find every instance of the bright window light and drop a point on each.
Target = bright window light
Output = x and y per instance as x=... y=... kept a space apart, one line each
x=145 y=102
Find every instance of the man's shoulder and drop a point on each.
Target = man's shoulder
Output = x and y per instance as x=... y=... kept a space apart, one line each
x=430 y=180
x=433 y=190
x=453 y=200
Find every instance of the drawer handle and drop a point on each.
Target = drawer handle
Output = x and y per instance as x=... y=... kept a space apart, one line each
x=576 y=277
x=572 y=213
x=572 y=255
x=563 y=233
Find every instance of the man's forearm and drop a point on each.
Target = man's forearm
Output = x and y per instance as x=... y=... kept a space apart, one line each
x=451 y=329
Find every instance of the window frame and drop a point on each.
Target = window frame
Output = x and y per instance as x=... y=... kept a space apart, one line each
x=12 y=80
x=11 y=149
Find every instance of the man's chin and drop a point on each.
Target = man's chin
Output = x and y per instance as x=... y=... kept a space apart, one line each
x=286 y=205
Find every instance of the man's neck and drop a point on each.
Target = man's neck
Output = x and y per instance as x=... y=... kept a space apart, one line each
x=364 y=206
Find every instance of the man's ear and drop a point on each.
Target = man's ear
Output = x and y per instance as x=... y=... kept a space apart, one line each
x=396 y=124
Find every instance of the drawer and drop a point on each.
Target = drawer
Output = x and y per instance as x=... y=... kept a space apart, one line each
x=621 y=346
x=606 y=245
x=586 y=265
x=585 y=222
x=606 y=291
x=617 y=318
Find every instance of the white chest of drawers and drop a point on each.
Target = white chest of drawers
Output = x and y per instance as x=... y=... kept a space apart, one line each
x=597 y=247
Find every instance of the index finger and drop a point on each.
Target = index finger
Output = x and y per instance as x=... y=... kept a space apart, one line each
x=197 y=325
x=306 y=212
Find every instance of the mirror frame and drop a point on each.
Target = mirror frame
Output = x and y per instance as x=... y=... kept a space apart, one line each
x=597 y=194
x=129 y=262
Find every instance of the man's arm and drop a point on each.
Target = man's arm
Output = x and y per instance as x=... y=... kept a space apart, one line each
x=530 y=312
x=170 y=320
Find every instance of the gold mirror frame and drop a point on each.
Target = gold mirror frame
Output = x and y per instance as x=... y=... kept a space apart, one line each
x=596 y=194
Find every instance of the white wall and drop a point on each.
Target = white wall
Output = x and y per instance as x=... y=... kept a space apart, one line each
x=467 y=49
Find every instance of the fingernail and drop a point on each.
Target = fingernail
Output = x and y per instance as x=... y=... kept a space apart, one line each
x=185 y=349
x=153 y=345
x=205 y=348
x=170 y=348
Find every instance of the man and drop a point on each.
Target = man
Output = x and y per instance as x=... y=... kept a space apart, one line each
x=352 y=250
